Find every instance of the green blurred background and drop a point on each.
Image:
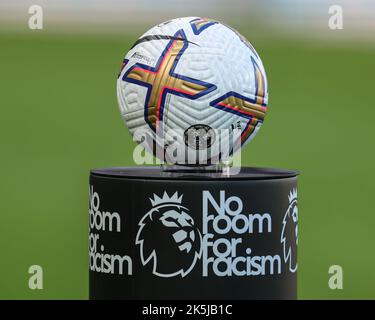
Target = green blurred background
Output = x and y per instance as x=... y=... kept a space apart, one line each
x=59 y=118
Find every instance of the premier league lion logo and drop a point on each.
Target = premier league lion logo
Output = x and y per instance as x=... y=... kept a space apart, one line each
x=168 y=238
x=289 y=233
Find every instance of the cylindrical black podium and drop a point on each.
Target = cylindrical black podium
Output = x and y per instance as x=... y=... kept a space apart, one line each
x=182 y=235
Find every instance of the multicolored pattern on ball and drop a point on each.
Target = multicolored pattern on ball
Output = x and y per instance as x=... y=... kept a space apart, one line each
x=191 y=72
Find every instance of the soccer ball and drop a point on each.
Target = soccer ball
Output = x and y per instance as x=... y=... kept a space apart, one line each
x=192 y=84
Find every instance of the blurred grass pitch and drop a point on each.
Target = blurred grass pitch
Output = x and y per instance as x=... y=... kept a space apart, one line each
x=59 y=118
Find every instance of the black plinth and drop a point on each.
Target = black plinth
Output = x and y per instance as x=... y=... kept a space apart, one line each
x=188 y=235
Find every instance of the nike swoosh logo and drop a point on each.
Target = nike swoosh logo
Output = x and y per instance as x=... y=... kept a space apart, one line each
x=159 y=37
